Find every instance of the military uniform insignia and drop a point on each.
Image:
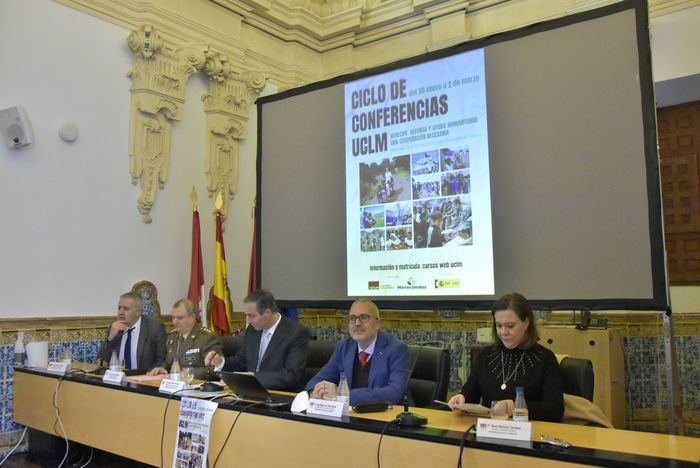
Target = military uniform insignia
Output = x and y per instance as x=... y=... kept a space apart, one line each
x=170 y=344
x=191 y=351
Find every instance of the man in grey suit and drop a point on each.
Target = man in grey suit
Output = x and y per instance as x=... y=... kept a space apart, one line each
x=274 y=348
x=138 y=341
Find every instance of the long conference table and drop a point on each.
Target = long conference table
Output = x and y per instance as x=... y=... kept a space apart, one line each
x=127 y=420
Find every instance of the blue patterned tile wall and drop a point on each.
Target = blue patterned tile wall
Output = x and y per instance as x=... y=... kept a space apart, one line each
x=645 y=368
x=645 y=377
x=689 y=370
x=7 y=425
x=84 y=351
x=6 y=358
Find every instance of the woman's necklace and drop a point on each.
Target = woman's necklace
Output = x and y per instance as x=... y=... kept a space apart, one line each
x=503 y=370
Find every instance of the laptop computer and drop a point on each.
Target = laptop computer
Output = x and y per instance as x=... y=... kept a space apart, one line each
x=248 y=388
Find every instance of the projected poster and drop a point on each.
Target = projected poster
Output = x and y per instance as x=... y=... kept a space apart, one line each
x=417 y=178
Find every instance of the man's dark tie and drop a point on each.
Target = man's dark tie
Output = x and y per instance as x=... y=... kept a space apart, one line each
x=127 y=349
x=363 y=358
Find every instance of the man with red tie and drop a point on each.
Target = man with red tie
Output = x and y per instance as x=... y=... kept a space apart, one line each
x=375 y=364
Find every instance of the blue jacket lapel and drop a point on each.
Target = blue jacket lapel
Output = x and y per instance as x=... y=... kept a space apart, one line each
x=349 y=361
x=378 y=359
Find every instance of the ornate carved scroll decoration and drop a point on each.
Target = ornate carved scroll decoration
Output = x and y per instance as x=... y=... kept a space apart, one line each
x=226 y=107
x=158 y=80
x=149 y=294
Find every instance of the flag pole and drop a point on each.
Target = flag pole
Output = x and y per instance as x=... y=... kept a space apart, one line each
x=202 y=308
x=220 y=313
x=252 y=270
x=195 y=291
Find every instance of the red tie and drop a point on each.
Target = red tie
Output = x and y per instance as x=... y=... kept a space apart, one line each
x=363 y=358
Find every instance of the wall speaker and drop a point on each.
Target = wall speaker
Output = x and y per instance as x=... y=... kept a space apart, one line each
x=16 y=127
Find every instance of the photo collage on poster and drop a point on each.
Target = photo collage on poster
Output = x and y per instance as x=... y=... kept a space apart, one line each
x=421 y=200
x=191 y=448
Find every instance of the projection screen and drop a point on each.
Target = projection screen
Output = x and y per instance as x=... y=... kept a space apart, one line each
x=547 y=137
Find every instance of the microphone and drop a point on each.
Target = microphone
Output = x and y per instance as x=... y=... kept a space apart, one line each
x=211 y=375
x=406 y=418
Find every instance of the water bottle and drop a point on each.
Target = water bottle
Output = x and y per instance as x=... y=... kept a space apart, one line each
x=175 y=369
x=344 y=393
x=19 y=349
x=67 y=357
x=520 y=412
x=114 y=361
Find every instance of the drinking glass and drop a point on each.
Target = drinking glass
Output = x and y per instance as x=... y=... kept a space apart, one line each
x=499 y=411
x=67 y=356
x=187 y=374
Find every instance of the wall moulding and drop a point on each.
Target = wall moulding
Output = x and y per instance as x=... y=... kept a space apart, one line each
x=12 y=325
x=59 y=328
x=664 y=7
x=158 y=80
x=203 y=22
x=226 y=107
x=257 y=34
x=630 y=323
x=687 y=324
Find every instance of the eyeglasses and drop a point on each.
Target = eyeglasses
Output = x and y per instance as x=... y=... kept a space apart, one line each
x=364 y=318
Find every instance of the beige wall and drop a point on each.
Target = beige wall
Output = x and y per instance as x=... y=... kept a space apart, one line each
x=95 y=204
x=685 y=299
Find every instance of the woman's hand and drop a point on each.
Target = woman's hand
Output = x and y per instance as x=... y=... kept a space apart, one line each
x=505 y=407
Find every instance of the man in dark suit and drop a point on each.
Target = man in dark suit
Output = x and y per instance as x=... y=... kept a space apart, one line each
x=375 y=364
x=274 y=348
x=138 y=341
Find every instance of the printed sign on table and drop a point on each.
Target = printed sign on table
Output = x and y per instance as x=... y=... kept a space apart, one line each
x=192 y=440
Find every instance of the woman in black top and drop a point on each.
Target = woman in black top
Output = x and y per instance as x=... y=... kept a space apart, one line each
x=516 y=360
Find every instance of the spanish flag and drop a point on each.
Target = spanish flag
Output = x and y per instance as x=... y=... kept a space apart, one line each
x=220 y=308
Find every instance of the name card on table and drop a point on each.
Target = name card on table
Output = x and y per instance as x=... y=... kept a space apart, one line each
x=112 y=376
x=171 y=386
x=504 y=429
x=58 y=367
x=325 y=407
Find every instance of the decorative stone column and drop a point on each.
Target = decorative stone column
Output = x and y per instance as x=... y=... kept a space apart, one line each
x=158 y=80
x=226 y=107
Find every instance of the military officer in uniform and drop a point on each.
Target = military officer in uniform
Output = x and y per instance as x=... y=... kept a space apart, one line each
x=188 y=341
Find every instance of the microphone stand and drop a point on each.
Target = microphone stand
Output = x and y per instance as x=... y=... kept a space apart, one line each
x=406 y=418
